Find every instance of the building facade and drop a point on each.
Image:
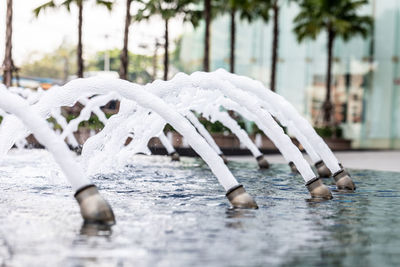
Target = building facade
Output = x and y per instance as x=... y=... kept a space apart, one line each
x=366 y=72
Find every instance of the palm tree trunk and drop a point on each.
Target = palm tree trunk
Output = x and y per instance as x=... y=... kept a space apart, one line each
x=207 y=18
x=79 y=49
x=275 y=45
x=166 y=56
x=8 y=62
x=327 y=106
x=233 y=41
x=123 y=70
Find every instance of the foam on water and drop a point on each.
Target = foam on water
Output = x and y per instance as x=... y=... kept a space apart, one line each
x=176 y=215
x=68 y=94
x=16 y=105
x=181 y=94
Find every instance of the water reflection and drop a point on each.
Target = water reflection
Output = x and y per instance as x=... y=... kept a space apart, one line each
x=233 y=216
x=177 y=215
x=90 y=229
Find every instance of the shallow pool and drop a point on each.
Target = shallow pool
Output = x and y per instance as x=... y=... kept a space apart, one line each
x=176 y=214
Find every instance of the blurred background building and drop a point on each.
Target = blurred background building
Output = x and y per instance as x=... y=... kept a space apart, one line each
x=366 y=71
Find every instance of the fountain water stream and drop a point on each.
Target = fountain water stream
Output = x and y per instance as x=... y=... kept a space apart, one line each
x=213 y=81
x=145 y=110
x=93 y=207
x=203 y=131
x=91 y=105
x=284 y=112
x=166 y=143
x=68 y=94
x=223 y=117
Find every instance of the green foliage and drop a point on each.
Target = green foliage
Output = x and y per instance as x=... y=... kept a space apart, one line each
x=241 y=124
x=329 y=132
x=70 y=117
x=108 y=115
x=53 y=121
x=338 y=17
x=249 y=10
x=168 y=9
x=1 y=119
x=93 y=123
x=215 y=127
x=57 y=64
x=67 y=4
x=169 y=128
x=46 y=5
x=257 y=130
x=107 y=4
x=138 y=68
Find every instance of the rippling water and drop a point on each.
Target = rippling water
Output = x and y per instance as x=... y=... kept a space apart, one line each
x=176 y=214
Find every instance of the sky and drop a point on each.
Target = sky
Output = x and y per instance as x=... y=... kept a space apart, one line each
x=35 y=36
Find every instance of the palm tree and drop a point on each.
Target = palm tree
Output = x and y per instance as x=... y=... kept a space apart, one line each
x=67 y=4
x=262 y=9
x=275 y=44
x=8 y=65
x=338 y=18
x=207 y=19
x=232 y=36
x=168 y=9
x=123 y=70
x=247 y=10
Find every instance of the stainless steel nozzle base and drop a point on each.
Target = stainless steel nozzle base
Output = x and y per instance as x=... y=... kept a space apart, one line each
x=322 y=169
x=318 y=190
x=262 y=162
x=239 y=198
x=293 y=167
x=94 y=208
x=224 y=158
x=344 y=181
x=175 y=156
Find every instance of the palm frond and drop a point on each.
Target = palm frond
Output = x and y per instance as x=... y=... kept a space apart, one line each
x=107 y=4
x=67 y=4
x=41 y=8
x=339 y=17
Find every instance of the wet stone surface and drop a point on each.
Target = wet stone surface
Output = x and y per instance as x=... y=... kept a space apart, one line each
x=176 y=214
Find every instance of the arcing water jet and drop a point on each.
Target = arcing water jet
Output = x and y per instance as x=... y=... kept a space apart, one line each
x=94 y=208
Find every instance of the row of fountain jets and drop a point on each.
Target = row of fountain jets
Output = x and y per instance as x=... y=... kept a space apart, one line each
x=144 y=112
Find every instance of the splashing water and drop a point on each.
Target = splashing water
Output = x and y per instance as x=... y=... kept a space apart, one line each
x=68 y=94
x=11 y=103
x=284 y=112
x=145 y=110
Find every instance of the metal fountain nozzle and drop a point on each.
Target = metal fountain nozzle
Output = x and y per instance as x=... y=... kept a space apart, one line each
x=262 y=162
x=239 y=198
x=293 y=167
x=94 y=208
x=175 y=156
x=322 y=169
x=318 y=190
x=344 y=181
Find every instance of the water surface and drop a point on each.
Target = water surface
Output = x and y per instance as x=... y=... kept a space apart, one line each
x=176 y=214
